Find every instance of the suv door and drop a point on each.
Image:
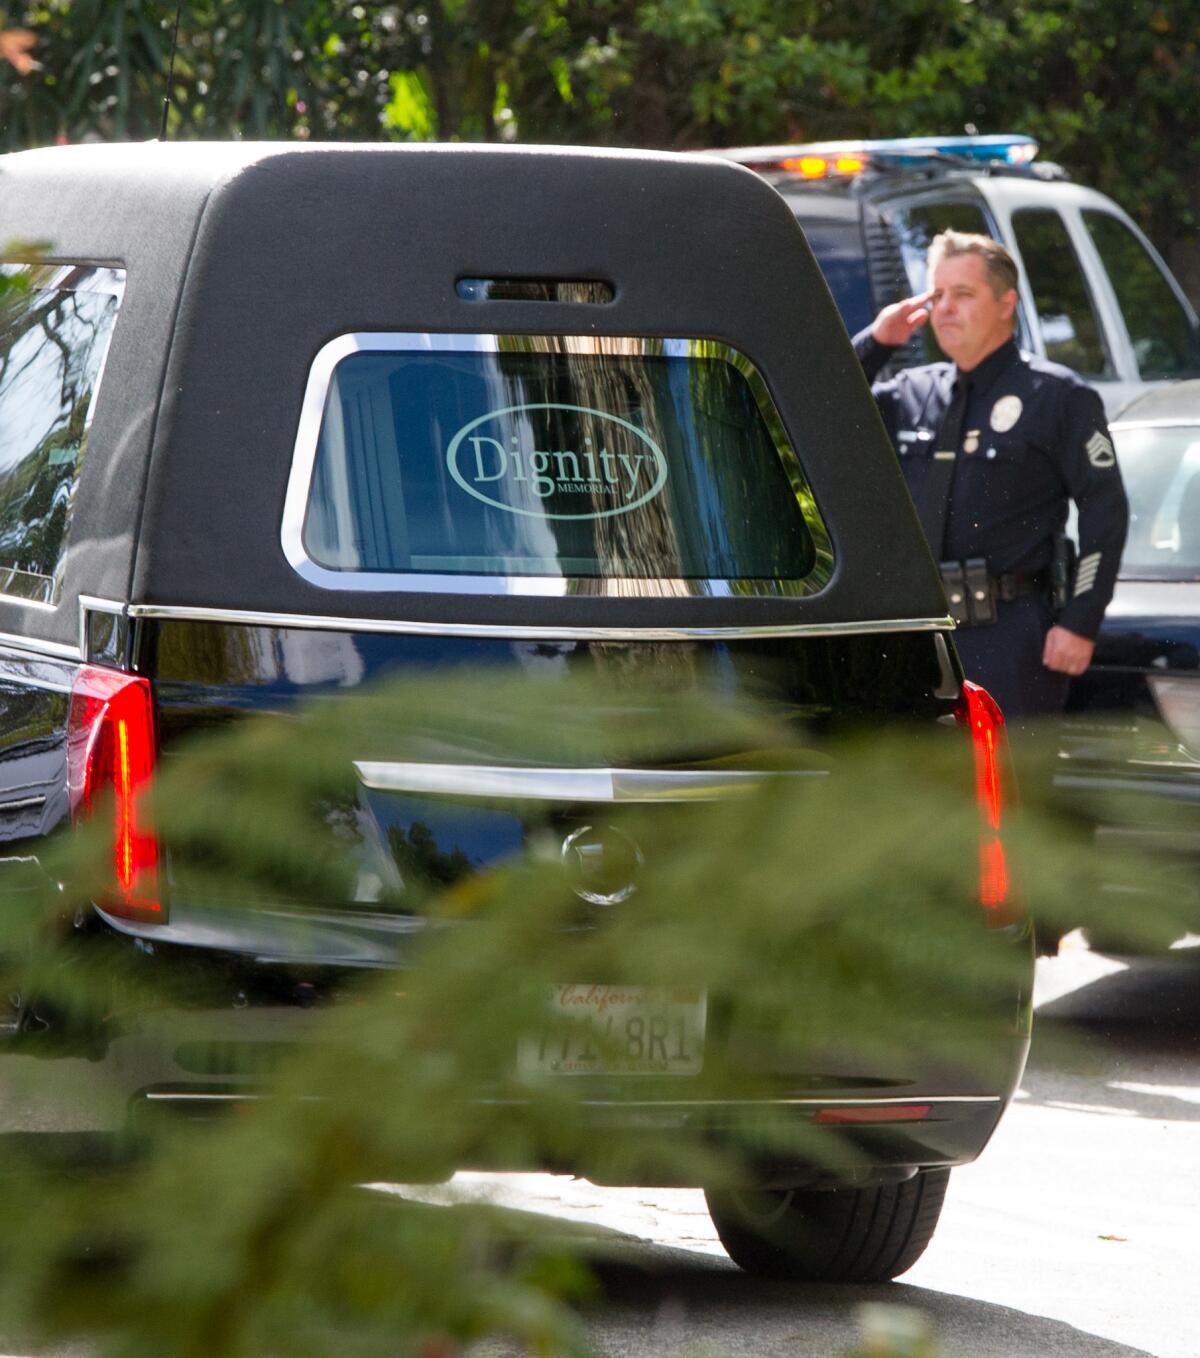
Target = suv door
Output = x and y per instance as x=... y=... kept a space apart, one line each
x=1102 y=301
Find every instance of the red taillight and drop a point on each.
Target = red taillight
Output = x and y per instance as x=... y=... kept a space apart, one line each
x=110 y=754
x=977 y=710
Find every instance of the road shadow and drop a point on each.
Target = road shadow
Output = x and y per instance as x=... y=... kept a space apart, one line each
x=658 y=1301
x=1156 y=999
x=676 y=1303
x=1126 y=1042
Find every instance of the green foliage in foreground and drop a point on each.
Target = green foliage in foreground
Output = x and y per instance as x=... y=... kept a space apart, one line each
x=831 y=915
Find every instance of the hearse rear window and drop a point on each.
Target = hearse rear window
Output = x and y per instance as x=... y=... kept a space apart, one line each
x=55 y=325
x=549 y=458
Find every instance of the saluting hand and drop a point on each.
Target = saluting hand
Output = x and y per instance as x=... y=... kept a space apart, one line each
x=1067 y=652
x=898 y=323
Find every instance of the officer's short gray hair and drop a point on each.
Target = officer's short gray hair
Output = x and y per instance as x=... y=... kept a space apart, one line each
x=1000 y=266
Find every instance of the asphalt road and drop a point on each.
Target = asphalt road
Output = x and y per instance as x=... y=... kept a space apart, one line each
x=1075 y=1234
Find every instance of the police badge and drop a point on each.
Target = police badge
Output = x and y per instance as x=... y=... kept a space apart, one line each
x=1005 y=413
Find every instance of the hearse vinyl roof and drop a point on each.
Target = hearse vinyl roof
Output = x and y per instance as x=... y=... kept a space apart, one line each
x=243 y=260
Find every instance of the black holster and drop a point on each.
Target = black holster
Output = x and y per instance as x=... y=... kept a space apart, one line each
x=1062 y=571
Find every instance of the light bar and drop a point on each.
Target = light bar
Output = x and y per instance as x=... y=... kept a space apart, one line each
x=833 y=159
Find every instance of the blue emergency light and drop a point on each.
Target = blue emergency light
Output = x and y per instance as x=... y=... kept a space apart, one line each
x=829 y=159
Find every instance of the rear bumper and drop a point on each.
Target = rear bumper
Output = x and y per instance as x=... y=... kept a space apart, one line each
x=794 y=1117
x=798 y=1147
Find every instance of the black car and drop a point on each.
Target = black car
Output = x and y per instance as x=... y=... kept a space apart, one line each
x=276 y=422
x=1095 y=295
x=1132 y=746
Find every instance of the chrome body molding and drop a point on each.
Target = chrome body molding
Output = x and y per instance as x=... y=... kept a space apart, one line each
x=568 y=784
x=524 y=632
x=806 y=1101
x=938 y=1100
x=312 y=415
x=186 y=1096
x=1161 y=422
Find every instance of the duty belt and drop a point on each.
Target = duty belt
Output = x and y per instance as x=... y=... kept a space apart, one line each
x=972 y=591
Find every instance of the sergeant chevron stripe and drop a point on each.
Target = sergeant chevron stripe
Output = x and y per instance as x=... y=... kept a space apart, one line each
x=1085 y=575
x=1100 y=451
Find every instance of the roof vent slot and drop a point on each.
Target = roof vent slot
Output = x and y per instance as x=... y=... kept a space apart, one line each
x=589 y=291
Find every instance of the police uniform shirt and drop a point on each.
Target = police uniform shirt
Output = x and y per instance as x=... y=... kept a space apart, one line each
x=1033 y=436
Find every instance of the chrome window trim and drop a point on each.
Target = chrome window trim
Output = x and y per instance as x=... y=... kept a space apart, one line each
x=89 y=603
x=108 y=278
x=38 y=605
x=58 y=650
x=304 y=455
x=523 y=632
x=103 y=278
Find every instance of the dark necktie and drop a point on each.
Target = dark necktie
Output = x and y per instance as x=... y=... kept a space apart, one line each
x=934 y=502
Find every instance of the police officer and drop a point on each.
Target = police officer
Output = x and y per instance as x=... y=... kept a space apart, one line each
x=993 y=446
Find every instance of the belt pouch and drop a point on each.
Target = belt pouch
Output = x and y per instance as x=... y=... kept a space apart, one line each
x=981 y=592
x=954 y=582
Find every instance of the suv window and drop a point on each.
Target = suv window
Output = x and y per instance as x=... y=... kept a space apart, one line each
x=838 y=247
x=55 y=325
x=1070 y=329
x=915 y=227
x=561 y=457
x=1160 y=331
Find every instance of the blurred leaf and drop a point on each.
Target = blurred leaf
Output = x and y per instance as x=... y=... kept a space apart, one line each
x=409 y=109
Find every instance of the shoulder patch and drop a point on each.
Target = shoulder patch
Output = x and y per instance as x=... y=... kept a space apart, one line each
x=1100 y=451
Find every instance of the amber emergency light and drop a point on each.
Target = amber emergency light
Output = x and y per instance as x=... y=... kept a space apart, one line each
x=841 y=159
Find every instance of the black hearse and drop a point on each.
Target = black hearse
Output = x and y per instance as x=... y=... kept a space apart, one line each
x=277 y=421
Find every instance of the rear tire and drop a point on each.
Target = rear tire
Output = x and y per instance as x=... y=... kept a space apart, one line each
x=844 y=1235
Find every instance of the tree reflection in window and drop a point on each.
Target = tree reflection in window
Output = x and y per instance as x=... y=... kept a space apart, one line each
x=53 y=338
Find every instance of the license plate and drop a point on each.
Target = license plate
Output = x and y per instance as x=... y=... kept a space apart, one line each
x=617 y=1030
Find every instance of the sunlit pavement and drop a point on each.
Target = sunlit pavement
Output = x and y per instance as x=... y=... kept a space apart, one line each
x=1075 y=1234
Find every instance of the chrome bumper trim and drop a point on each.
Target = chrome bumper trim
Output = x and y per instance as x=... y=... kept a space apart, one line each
x=567 y=784
x=939 y=1100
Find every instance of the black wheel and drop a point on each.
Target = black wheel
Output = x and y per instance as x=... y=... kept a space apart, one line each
x=845 y=1235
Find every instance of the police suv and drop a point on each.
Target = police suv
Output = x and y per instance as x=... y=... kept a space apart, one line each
x=1095 y=295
